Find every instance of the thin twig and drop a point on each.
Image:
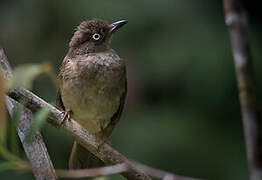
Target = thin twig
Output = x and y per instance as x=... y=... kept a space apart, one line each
x=102 y=171
x=36 y=151
x=119 y=168
x=236 y=20
x=160 y=174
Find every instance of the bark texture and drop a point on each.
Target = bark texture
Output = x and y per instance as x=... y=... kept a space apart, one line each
x=236 y=21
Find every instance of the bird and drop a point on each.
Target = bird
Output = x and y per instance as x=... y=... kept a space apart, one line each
x=92 y=85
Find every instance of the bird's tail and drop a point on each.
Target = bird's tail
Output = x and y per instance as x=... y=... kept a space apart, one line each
x=81 y=158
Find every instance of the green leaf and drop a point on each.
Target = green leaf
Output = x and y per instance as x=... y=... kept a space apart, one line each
x=12 y=132
x=102 y=178
x=37 y=122
x=13 y=138
x=5 y=154
x=3 y=122
x=17 y=113
x=19 y=165
x=24 y=75
x=6 y=166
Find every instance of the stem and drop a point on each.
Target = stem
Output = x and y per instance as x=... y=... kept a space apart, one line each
x=236 y=21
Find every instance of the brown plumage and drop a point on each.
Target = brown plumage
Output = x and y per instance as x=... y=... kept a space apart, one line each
x=93 y=84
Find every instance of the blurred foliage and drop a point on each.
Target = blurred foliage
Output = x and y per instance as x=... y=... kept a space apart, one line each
x=3 y=122
x=37 y=123
x=182 y=113
x=24 y=75
x=10 y=153
x=12 y=136
x=12 y=161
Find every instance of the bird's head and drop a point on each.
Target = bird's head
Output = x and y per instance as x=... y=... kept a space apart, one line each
x=94 y=35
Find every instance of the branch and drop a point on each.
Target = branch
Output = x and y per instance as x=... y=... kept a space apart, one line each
x=36 y=151
x=236 y=20
x=102 y=171
x=119 y=168
x=160 y=174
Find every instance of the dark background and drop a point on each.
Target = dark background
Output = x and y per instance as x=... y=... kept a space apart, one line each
x=182 y=113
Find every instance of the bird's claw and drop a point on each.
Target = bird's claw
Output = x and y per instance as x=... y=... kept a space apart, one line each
x=101 y=144
x=67 y=115
x=102 y=137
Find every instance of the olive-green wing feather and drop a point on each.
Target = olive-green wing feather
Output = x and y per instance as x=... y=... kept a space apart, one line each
x=59 y=101
x=116 y=117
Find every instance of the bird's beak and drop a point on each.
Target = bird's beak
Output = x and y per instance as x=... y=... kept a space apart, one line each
x=116 y=25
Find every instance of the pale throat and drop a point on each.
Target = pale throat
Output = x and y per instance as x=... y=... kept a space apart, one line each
x=89 y=47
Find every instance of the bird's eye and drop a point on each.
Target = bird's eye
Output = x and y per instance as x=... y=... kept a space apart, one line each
x=96 y=36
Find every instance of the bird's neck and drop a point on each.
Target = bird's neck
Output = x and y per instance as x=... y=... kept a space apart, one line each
x=86 y=48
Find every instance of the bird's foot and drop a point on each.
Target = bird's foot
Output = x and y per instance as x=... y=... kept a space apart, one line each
x=66 y=115
x=101 y=144
x=102 y=137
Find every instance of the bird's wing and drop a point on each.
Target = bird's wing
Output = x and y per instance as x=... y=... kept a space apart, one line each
x=59 y=102
x=116 y=117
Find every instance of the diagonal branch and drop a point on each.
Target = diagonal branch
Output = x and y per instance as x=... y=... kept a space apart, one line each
x=101 y=171
x=36 y=151
x=119 y=168
x=160 y=174
x=236 y=20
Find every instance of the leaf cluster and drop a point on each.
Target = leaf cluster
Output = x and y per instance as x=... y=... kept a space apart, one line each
x=24 y=76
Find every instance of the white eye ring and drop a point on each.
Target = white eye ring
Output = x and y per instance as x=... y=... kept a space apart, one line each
x=96 y=36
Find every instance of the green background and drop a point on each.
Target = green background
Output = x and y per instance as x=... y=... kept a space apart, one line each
x=182 y=112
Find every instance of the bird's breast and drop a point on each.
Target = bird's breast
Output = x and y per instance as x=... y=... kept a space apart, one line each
x=92 y=87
